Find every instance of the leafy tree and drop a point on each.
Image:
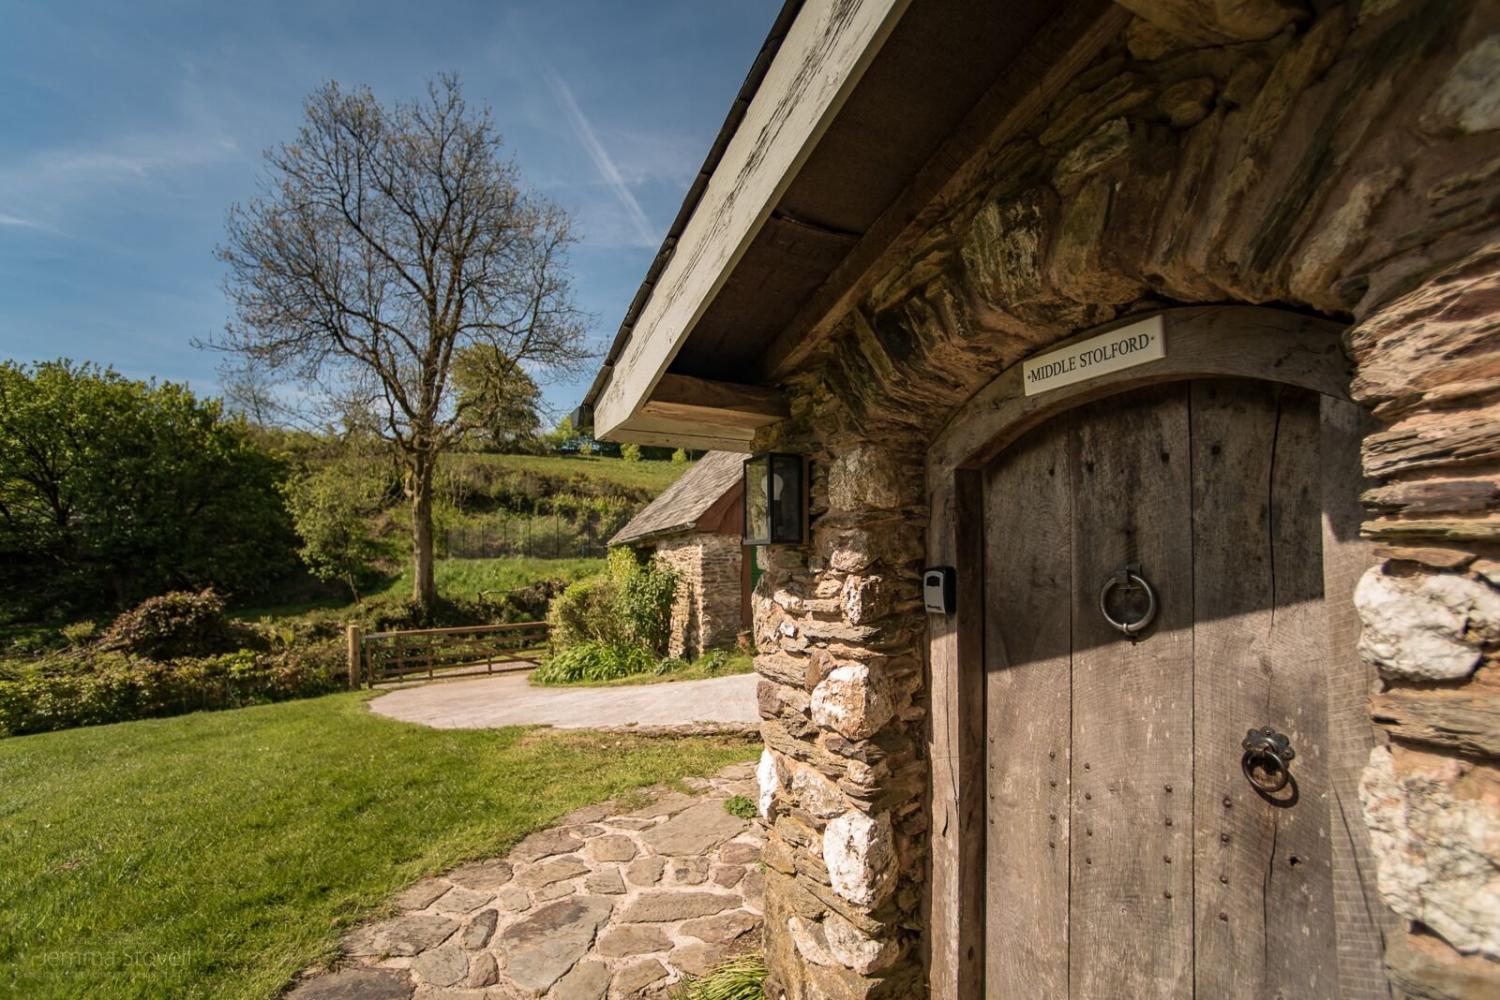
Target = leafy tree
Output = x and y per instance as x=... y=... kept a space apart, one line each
x=559 y=436
x=112 y=490
x=500 y=402
x=332 y=508
x=388 y=238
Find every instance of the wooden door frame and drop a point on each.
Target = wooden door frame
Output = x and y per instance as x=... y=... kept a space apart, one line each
x=1201 y=342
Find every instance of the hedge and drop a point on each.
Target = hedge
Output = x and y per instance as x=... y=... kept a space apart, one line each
x=104 y=687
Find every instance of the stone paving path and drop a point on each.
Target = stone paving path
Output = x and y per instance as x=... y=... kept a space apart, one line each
x=510 y=700
x=618 y=901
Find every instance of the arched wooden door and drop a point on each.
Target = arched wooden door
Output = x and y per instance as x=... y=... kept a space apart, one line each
x=1127 y=853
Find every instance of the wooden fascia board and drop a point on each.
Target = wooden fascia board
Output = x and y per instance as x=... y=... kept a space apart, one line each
x=825 y=53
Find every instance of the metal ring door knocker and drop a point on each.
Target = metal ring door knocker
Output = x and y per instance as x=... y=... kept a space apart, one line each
x=1267 y=759
x=1130 y=578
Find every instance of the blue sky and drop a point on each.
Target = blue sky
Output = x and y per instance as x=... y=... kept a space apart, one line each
x=127 y=129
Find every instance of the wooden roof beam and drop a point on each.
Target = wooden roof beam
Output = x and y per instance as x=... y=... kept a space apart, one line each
x=722 y=404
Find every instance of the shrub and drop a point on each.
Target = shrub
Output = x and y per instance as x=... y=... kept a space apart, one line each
x=630 y=452
x=594 y=661
x=585 y=612
x=65 y=692
x=629 y=604
x=679 y=457
x=175 y=624
x=645 y=604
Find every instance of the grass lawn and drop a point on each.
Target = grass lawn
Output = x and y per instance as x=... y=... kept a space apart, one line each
x=455 y=578
x=654 y=476
x=467 y=577
x=217 y=854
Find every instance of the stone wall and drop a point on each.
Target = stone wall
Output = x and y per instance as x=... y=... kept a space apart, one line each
x=1344 y=162
x=707 y=613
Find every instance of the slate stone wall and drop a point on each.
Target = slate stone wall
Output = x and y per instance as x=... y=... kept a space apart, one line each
x=1344 y=163
x=707 y=612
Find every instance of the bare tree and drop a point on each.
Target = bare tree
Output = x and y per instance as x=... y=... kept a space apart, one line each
x=384 y=240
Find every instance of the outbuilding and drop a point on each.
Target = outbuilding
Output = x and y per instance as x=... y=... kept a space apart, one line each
x=1139 y=634
x=695 y=526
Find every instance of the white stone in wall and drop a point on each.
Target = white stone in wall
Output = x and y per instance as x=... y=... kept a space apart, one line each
x=815 y=793
x=807 y=935
x=1436 y=848
x=861 y=862
x=854 y=949
x=1428 y=627
x=852 y=701
x=768 y=777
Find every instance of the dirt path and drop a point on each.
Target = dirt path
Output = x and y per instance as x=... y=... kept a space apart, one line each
x=509 y=701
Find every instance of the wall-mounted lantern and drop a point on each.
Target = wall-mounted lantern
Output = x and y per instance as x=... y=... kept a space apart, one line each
x=775 y=499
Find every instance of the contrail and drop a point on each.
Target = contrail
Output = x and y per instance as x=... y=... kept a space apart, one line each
x=600 y=156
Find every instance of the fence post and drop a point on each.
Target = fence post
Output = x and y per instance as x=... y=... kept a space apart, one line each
x=356 y=638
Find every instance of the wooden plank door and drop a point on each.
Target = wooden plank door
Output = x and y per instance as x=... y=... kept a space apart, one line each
x=1132 y=893
x=1028 y=645
x=1126 y=853
x=1264 y=872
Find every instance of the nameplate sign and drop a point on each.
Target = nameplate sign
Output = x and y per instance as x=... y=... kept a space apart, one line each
x=1126 y=347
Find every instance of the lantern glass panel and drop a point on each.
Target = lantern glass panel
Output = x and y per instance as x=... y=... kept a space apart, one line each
x=758 y=500
x=786 y=498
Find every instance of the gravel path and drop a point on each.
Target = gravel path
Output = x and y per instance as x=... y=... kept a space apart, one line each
x=620 y=900
x=509 y=701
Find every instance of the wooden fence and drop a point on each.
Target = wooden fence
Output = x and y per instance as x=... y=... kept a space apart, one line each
x=441 y=653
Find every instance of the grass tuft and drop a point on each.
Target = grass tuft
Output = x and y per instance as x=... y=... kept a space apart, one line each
x=742 y=978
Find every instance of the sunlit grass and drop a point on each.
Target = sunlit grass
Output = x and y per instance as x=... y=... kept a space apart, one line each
x=216 y=854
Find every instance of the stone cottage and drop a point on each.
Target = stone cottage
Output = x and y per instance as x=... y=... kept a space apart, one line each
x=695 y=527
x=1169 y=333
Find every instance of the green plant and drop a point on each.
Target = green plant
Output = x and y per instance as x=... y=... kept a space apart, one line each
x=174 y=624
x=679 y=457
x=585 y=612
x=630 y=452
x=67 y=692
x=332 y=509
x=741 y=978
x=115 y=489
x=739 y=805
x=594 y=661
x=644 y=604
x=79 y=633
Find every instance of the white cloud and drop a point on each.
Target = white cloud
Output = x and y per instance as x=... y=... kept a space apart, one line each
x=602 y=161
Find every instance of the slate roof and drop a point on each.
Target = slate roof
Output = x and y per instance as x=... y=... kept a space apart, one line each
x=685 y=501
